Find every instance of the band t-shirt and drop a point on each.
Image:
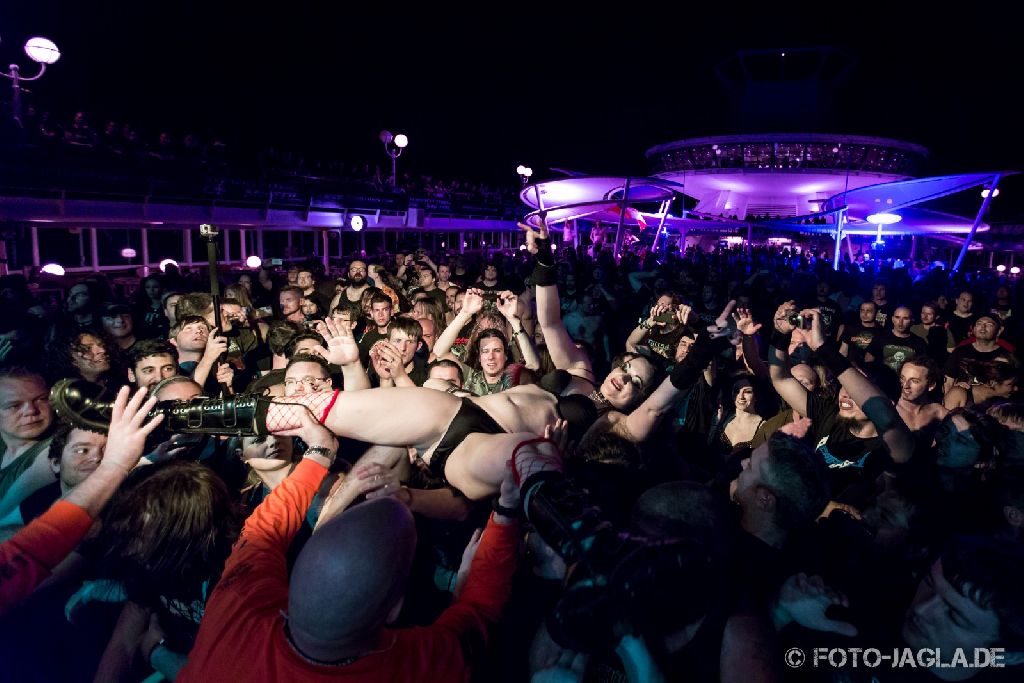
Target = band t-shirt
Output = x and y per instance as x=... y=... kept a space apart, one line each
x=893 y=351
x=955 y=364
x=664 y=343
x=852 y=463
x=858 y=338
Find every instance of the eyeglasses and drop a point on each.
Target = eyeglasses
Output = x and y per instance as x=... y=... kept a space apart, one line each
x=312 y=383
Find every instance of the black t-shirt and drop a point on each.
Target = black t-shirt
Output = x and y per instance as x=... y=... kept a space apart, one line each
x=893 y=351
x=366 y=343
x=853 y=463
x=858 y=338
x=959 y=327
x=831 y=316
x=884 y=314
x=955 y=364
x=664 y=343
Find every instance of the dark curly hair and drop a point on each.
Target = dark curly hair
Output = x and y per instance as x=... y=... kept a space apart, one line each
x=60 y=359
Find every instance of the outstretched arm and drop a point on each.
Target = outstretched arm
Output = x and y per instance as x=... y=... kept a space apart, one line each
x=876 y=405
x=791 y=391
x=563 y=350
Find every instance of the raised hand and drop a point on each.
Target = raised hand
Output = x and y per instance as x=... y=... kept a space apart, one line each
x=375 y=480
x=782 y=315
x=745 y=322
x=216 y=344
x=533 y=235
x=815 y=335
x=474 y=301
x=342 y=348
x=804 y=600
x=391 y=359
x=683 y=312
x=656 y=310
x=508 y=305
x=129 y=428
x=723 y=318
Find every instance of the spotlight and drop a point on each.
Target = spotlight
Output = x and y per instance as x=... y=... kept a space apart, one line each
x=1001 y=268
x=522 y=247
x=357 y=222
x=41 y=50
x=128 y=252
x=254 y=262
x=985 y=192
x=167 y=262
x=883 y=218
x=52 y=269
x=401 y=141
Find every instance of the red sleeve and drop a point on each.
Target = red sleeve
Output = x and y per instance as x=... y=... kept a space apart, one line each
x=489 y=583
x=28 y=558
x=274 y=523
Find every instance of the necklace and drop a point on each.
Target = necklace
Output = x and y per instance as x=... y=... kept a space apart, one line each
x=597 y=397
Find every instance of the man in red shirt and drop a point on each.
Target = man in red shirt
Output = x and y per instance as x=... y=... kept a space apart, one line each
x=329 y=622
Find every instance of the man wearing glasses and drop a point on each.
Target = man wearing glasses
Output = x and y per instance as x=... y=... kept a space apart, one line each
x=306 y=374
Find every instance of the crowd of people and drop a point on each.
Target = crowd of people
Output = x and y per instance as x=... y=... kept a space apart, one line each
x=545 y=465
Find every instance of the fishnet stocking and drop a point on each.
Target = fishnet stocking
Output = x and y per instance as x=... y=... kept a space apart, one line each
x=285 y=413
x=535 y=455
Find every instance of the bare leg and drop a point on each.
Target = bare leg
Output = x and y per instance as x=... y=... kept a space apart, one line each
x=388 y=416
x=477 y=466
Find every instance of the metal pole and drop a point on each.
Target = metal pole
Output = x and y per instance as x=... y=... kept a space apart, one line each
x=94 y=250
x=622 y=218
x=288 y=251
x=187 y=243
x=144 y=234
x=840 y=222
x=35 y=246
x=462 y=243
x=245 y=247
x=259 y=243
x=394 y=170
x=81 y=249
x=849 y=247
x=750 y=239
x=325 y=251
x=15 y=93
x=3 y=256
x=227 y=246
x=661 y=223
x=977 y=221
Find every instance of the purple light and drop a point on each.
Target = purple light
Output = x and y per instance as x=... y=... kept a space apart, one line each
x=128 y=252
x=167 y=262
x=883 y=218
x=52 y=269
x=254 y=262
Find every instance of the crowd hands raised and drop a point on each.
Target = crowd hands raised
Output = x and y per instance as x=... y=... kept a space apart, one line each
x=541 y=466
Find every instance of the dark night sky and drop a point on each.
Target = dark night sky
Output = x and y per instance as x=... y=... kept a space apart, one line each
x=478 y=95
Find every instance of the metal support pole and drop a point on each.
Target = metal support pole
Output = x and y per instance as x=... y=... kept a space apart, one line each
x=227 y=246
x=622 y=218
x=840 y=222
x=977 y=221
x=913 y=247
x=187 y=246
x=94 y=250
x=288 y=251
x=35 y=246
x=326 y=250
x=661 y=223
x=259 y=243
x=81 y=249
x=750 y=239
x=849 y=247
x=462 y=243
x=244 y=254
x=144 y=235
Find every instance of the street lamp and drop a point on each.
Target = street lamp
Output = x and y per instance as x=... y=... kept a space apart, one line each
x=40 y=50
x=393 y=145
x=524 y=173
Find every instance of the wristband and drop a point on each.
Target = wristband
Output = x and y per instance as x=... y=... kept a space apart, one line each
x=511 y=513
x=545 y=256
x=835 y=362
x=320 y=450
x=781 y=340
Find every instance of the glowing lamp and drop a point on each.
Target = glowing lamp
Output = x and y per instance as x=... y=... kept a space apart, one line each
x=167 y=262
x=254 y=262
x=884 y=218
x=128 y=252
x=401 y=141
x=357 y=223
x=41 y=50
x=1015 y=270
x=1001 y=268
x=52 y=269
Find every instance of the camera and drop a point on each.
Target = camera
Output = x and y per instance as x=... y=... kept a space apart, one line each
x=311 y=324
x=798 y=321
x=667 y=317
x=208 y=231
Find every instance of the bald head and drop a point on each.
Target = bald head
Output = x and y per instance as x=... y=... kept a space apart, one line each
x=358 y=564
